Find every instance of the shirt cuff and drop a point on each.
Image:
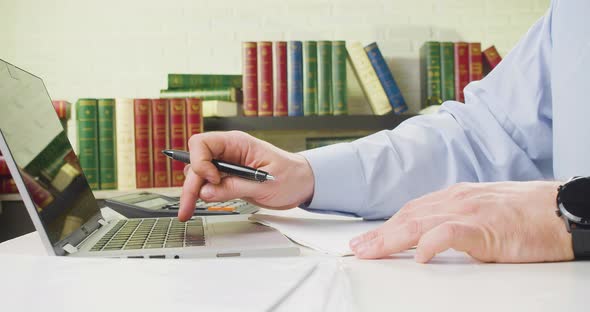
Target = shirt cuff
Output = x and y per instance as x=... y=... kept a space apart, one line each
x=339 y=182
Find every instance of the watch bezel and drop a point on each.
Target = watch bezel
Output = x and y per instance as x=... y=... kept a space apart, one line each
x=563 y=210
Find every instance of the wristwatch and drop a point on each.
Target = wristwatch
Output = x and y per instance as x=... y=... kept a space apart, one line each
x=573 y=205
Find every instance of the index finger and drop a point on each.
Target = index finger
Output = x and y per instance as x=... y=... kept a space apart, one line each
x=190 y=194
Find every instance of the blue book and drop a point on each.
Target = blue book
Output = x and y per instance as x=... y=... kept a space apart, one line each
x=295 y=78
x=392 y=91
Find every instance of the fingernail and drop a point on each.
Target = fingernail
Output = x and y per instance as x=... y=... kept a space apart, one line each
x=207 y=191
x=364 y=247
x=356 y=241
x=420 y=258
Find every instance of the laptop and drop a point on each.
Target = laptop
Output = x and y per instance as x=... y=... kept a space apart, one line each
x=65 y=212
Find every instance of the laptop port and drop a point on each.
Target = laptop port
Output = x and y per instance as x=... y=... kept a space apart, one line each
x=135 y=257
x=158 y=257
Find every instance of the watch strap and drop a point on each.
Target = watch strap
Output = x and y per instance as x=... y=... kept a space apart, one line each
x=581 y=243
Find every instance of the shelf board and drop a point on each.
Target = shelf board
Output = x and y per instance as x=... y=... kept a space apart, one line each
x=356 y=122
x=103 y=194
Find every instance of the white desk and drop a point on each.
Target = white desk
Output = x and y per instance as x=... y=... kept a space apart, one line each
x=451 y=282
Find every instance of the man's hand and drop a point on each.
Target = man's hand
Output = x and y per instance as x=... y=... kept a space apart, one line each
x=492 y=222
x=294 y=178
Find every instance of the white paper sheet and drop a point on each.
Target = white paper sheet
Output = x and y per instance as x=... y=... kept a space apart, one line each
x=330 y=234
x=47 y=283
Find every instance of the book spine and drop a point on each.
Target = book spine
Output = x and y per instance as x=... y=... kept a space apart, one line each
x=86 y=114
x=324 y=78
x=295 y=78
x=7 y=185
x=265 y=79
x=178 y=139
x=62 y=108
x=475 y=63
x=430 y=67
x=195 y=81
x=106 y=144
x=160 y=134
x=492 y=57
x=194 y=117
x=447 y=70
x=367 y=78
x=143 y=149
x=225 y=94
x=339 y=81
x=280 y=101
x=461 y=70
x=310 y=78
x=250 y=78
x=125 y=147
x=4 y=167
x=394 y=95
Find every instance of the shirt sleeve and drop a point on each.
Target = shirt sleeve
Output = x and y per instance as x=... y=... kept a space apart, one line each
x=502 y=132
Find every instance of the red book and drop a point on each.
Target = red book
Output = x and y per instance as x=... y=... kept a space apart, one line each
x=194 y=117
x=7 y=186
x=62 y=108
x=160 y=128
x=178 y=137
x=280 y=93
x=475 y=65
x=3 y=167
x=40 y=195
x=250 y=78
x=461 y=69
x=265 y=79
x=143 y=150
x=492 y=57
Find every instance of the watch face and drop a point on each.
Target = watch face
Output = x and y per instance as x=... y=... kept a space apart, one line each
x=575 y=200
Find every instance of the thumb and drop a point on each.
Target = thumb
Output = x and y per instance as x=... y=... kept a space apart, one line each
x=229 y=188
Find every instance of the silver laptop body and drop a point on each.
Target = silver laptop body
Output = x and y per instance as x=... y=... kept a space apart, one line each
x=66 y=214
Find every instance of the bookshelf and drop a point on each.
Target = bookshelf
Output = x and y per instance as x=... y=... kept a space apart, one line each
x=103 y=194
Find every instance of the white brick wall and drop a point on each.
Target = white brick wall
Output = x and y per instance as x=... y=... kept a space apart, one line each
x=125 y=48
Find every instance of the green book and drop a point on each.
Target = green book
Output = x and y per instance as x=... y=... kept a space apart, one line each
x=310 y=78
x=222 y=94
x=202 y=81
x=447 y=70
x=106 y=144
x=324 y=78
x=430 y=74
x=86 y=115
x=339 y=103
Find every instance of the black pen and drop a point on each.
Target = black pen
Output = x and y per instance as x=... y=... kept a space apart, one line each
x=232 y=169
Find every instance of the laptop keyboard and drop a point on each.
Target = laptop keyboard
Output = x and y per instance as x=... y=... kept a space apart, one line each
x=152 y=233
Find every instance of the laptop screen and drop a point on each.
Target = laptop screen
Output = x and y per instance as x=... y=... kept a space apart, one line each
x=40 y=148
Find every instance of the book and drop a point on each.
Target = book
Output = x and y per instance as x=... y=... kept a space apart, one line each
x=492 y=57
x=143 y=143
x=475 y=63
x=324 y=78
x=87 y=123
x=249 y=78
x=220 y=109
x=265 y=79
x=280 y=75
x=447 y=70
x=394 y=95
x=223 y=94
x=160 y=135
x=310 y=78
x=367 y=78
x=194 y=117
x=7 y=185
x=430 y=72
x=461 y=70
x=4 y=167
x=178 y=139
x=106 y=144
x=125 y=143
x=339 y=96
x=200 y=81
x=295 y=78
x=62 y=108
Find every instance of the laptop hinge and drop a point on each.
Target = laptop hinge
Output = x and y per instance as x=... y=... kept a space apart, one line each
x=102 y=222
x=70 y=249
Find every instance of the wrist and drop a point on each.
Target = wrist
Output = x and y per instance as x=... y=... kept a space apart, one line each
x=303 y=174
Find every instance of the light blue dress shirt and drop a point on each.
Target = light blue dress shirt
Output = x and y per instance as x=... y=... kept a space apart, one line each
x=529 y=119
